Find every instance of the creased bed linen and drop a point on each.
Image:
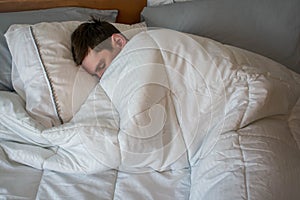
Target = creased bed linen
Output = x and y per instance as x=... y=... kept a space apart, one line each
x=171 y=102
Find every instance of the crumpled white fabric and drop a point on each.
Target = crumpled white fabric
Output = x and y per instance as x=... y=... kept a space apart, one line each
x=165 y=103
x=177 y=93
x=74 y=147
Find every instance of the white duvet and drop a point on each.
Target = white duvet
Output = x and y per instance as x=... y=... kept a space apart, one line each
x=172 y=101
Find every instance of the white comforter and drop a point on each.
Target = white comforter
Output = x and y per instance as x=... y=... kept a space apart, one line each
x=172 y=101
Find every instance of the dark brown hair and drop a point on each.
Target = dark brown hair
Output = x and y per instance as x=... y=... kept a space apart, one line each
x=89 y=35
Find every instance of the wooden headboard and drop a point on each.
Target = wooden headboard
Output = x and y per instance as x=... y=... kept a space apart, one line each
x=129 y=10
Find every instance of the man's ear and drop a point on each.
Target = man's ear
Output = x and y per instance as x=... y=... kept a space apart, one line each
x=118 y=40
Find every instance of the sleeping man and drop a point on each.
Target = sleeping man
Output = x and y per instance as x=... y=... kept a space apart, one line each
x=149 y=79
x=95 y=44
x=183 y=100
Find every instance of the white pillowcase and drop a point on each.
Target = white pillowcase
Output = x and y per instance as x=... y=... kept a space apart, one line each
x=163 y=2
x=44 y=73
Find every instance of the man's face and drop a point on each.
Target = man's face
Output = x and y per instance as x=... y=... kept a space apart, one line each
x=96 y=63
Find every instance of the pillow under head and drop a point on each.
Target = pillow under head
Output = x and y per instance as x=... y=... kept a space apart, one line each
x=44 y=73
x=36 y=16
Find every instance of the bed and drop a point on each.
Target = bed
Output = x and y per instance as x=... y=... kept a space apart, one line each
x=203 y=102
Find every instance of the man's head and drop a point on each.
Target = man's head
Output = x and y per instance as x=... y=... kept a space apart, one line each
x=95 y=44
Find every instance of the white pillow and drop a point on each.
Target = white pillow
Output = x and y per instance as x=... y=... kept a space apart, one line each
x=131 y=30
x=163 y=2
x=44 y=73
x=158 y=2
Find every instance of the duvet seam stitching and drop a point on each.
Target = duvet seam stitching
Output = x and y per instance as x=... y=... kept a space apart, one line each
x=245 y=168
x=115 y=185
x=38 y=190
